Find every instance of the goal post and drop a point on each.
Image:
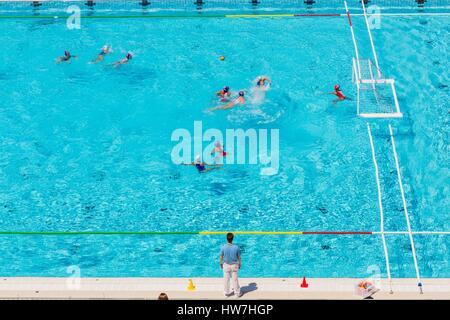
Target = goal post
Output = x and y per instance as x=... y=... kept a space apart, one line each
x=376 y=95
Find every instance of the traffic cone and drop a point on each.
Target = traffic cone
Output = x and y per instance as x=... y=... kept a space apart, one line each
x=191 y=286
x=304 y=284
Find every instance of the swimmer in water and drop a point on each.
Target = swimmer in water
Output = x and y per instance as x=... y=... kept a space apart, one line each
x=65 y=58
x=201 y=166
x=338 y=93
x=105 y=50
x=219 y=150
x=224 y=94
x=263 y=82
x=127 y=58
x=239 y=100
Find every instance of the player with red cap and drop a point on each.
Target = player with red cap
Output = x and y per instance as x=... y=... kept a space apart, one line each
x=338 y=92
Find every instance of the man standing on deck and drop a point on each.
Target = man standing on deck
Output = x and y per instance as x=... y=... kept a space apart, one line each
x=230 y=262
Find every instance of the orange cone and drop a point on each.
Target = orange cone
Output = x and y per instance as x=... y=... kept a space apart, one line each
x=191 y=286
x=304 y=284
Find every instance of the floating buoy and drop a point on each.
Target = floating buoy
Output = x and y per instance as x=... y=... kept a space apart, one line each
x=191 y=286
x=304 y=284
x=221 y=58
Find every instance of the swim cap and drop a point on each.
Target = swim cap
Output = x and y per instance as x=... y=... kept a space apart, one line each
x=218 y=144
x=105 y=47
x=129 y=55
x=241 y=93
x=197 y=158
x=226 y=88
x=67 y=53
x=336 y=87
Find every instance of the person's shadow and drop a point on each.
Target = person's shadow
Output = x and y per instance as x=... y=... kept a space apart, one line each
x=249 y=288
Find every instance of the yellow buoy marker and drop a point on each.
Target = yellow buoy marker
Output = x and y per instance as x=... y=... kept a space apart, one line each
x=191 y=286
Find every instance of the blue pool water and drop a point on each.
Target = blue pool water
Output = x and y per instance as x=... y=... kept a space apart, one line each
x=87 y=147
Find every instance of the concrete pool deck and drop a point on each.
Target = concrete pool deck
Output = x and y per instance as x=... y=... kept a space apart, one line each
x=211 y=288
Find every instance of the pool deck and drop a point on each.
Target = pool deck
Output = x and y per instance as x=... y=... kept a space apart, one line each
x=211 y=288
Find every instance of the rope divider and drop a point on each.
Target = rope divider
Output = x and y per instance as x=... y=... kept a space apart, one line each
x=380 y=207
x=405 y=210
x=232 y=16
x=106 y=233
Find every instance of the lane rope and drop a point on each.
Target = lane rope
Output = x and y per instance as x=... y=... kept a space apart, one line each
x=75 y=233
x=380 y=206
x=405 y=209
x=234 y=16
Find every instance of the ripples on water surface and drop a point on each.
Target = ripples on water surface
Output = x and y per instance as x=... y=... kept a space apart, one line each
x=87 y=147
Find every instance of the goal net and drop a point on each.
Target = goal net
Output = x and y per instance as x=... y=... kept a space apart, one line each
x=376 y=97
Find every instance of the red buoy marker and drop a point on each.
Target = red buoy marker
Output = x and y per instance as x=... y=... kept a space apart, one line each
x=304 y=284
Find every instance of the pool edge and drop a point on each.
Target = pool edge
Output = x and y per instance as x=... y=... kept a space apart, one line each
x=211 y=288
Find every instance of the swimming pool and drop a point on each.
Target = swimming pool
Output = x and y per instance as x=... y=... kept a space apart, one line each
x=86 y=147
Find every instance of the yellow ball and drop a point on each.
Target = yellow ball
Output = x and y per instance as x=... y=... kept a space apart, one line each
x=221 y=58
